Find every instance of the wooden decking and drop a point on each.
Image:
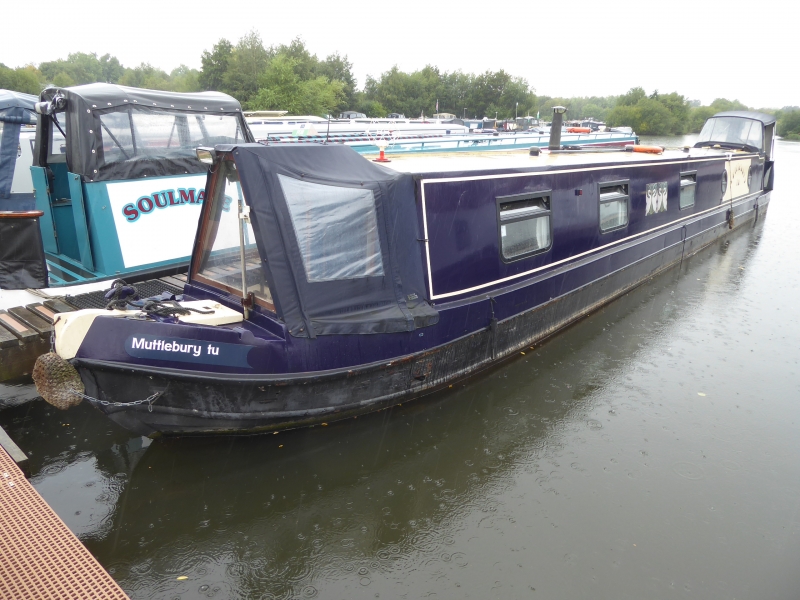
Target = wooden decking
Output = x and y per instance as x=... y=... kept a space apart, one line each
x=40 y=558
x=25 y=330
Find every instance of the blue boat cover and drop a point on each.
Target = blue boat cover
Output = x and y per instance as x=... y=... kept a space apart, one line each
x=16 y=109
x=340 y=238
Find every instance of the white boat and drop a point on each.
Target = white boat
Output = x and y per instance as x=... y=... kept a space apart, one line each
x=266 y=129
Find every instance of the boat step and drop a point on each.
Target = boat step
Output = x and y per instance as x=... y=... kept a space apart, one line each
x=32 y=320
x=59 y=306
x=42 y=311
x=7 y=339
x=17 y=327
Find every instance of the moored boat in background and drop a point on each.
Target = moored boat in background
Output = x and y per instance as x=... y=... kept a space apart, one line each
x=125 y=177
x=396 y=143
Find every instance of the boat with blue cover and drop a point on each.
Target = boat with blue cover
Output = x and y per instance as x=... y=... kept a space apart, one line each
x=17 y=125
x=323 y=285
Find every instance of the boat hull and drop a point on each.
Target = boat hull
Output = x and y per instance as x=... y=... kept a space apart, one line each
x=193 y=403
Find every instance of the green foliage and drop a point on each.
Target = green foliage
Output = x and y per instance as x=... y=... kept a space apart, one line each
x=595 y=107
x=289 y=77
x=146 y=76
x=721 y=105
x=22 y=79
x=371 y=108
x=664 y=114
x=623 y=115
x=248 y=61
x=658 y=114
x=63 y=80
x=283 y=77
x=459 y=93
x=698 y=116
x=407 y=93
x=338 y=68
x=282 y=87
x=81 y=68
x=789 y=123
x=183 y=79
x=215 y=65
x=632 y=97
x=655 y=118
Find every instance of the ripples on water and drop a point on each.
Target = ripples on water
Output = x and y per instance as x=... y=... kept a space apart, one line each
x=648 y=451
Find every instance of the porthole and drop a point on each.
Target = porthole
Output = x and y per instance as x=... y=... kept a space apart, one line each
x=724 y=182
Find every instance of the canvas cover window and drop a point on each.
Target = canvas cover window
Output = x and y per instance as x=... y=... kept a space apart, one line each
x=733 y=130
x=139 y=132
x=336 y=229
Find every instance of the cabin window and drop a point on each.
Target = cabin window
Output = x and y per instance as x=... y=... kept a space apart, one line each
x=220 y=263
x=614 y=201
x=139 y=132
x=525 y=226
x=336 y=229
x=688 y=187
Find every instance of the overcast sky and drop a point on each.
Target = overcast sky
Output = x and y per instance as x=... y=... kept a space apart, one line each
x=702 y=49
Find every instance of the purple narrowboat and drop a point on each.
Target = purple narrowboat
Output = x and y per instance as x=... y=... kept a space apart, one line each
x=323 y=285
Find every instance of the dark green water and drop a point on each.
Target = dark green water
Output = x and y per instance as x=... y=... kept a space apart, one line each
x=650 y=451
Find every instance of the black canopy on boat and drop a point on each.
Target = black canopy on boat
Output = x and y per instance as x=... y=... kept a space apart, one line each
x=340 y=239
x=119 y=132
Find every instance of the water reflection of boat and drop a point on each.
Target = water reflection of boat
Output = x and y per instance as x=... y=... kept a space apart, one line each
x=293 y=508
x=363 y=286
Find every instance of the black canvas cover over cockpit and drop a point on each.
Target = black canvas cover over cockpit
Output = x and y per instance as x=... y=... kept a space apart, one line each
x=118 y=132
x=340 y=238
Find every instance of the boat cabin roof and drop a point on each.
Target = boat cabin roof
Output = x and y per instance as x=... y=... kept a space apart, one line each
x=102 y=96
x=765 y=118
x=455 y=162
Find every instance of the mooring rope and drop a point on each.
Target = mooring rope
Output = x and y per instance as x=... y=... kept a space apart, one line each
x=122 y=295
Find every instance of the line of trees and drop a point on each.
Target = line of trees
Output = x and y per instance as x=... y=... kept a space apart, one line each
x=289 y=77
